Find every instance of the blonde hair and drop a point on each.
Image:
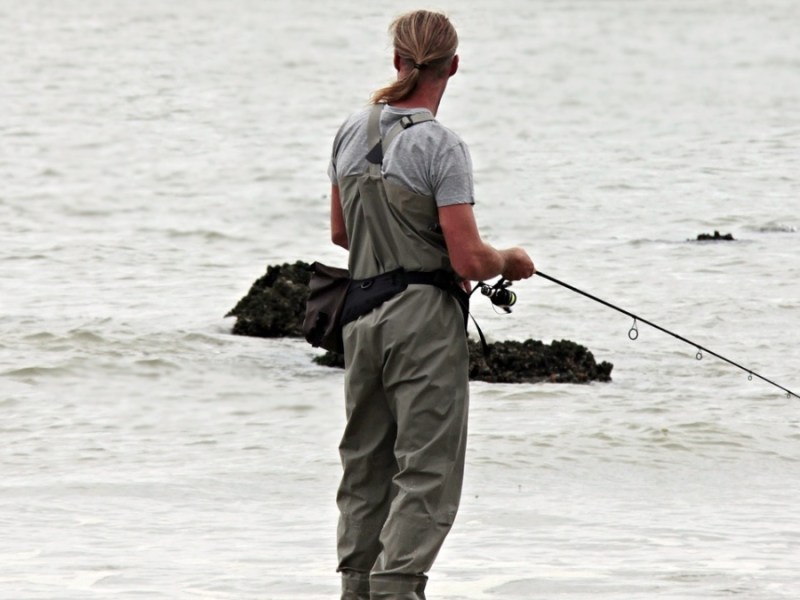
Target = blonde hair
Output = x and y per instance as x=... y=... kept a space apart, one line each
x=426 y=41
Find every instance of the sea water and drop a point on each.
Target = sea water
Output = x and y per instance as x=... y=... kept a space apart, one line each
x=156 y=157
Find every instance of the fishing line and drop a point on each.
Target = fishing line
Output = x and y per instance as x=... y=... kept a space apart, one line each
x=633 y=334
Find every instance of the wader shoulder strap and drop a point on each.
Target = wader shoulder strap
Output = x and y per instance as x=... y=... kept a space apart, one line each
x=375 y=154
x=404 y=123
x=378 y=145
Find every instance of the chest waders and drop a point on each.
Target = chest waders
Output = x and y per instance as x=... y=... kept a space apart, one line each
x=406 y=388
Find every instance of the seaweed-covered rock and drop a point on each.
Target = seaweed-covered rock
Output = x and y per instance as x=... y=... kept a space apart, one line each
x=530 y=361
x=276 y=303
x=533 y=361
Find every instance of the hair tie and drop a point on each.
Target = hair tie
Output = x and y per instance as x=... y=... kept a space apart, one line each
x=420 y=66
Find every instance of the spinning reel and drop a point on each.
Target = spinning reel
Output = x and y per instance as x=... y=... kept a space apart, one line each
x=499 y=294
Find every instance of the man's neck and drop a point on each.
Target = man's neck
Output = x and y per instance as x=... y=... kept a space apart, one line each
x=425 y=96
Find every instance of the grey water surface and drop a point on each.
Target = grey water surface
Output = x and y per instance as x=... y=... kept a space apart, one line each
x=155 y=157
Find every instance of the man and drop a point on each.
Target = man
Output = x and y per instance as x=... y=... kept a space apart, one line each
x=401 y=203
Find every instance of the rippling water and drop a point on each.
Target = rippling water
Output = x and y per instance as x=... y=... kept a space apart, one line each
x=156 y=157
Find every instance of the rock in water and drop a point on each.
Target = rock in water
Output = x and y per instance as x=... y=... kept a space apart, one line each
x=533 y=361
x=717 y=237
x=276 y=303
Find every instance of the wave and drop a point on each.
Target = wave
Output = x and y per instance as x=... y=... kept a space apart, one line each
x=777 y=228
x=204 y=234
x=30 y=372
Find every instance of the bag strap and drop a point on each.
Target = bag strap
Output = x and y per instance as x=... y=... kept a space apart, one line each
x=445 y=281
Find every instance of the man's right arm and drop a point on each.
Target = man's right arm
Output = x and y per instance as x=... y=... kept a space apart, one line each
x=471 y=257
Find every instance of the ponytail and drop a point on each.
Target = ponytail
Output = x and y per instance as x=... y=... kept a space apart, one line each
x=425 y=41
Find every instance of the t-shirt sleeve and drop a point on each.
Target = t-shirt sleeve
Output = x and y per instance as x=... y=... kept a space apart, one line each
x=332 y=172
x=346 y=151
x=332 y=164
x=452 y=177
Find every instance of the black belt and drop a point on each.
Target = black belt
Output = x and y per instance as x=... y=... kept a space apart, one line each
x=365 y=295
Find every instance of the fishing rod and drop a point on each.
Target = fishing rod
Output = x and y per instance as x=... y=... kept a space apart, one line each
x=633 y=333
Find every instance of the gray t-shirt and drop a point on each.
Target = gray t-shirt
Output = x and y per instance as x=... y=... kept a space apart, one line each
x=427 y=158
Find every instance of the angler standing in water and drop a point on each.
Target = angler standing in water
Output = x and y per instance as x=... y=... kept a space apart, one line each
x=401 y=203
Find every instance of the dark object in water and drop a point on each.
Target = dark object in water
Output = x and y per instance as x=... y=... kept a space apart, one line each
x=707 y=237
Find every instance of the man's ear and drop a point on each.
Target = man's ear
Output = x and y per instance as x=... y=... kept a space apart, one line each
x=453 y=66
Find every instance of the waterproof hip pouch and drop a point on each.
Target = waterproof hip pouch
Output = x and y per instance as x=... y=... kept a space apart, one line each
x=322 y=323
